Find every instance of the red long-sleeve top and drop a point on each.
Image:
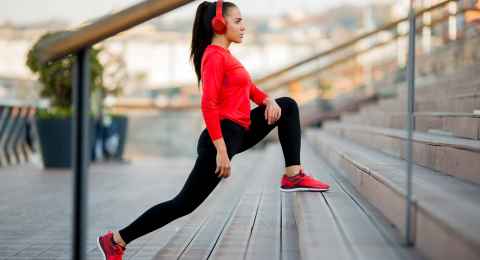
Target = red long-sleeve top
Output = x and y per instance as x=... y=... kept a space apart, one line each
x=227 y=89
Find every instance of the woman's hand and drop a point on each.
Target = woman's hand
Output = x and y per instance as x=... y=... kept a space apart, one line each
x=272 y=111
x=223 y=164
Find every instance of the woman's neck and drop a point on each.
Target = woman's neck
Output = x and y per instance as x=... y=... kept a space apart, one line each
x=221 y=41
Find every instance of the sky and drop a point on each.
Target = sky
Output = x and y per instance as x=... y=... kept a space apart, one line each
x=75 y=12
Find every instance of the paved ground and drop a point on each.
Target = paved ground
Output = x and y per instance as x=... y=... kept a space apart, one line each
x=36 y=206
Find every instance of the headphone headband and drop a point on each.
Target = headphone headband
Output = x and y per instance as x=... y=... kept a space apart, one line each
x=219 y=8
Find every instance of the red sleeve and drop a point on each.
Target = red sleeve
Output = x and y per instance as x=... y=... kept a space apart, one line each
x=257 y=95
x=212 y=81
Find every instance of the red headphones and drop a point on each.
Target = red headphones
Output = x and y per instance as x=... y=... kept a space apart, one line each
x=218 y=22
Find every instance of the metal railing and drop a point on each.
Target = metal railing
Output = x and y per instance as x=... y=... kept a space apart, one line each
x=78 y=42
x=366 y=44
x=410 y=122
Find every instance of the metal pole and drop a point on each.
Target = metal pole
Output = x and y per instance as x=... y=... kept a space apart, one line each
x=81 y=151
x=410 y=119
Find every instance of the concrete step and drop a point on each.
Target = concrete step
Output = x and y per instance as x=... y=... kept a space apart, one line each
x=460 y=81
x=463 y=125
x=462 y=99
x=335 y=225
x=433 y=91
x=453 y=156
x=462 y=103
x=445 y=210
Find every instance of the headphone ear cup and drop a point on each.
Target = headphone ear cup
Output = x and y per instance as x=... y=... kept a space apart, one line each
x=218 y=25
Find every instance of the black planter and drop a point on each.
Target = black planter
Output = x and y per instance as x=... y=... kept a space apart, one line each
x=55 y=135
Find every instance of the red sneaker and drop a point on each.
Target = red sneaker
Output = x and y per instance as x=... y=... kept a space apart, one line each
x=302 y=182
x=110 y=249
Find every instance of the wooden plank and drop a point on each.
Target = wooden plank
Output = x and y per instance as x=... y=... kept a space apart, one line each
x=265 y=240
x=290 y=249
x=203 y=244
x=220 y=198
x=319 y=235
x=107 y=26
x=234 y=239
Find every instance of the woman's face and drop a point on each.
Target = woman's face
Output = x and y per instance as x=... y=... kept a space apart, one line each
x=235 y=25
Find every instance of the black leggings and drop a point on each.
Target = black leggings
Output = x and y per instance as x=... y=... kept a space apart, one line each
x=203 y=180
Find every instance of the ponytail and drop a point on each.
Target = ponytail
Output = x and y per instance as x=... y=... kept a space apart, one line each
x=202 y=33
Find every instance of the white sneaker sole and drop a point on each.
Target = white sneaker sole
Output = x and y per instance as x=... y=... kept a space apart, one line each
x=100 y=247
x=302 y=189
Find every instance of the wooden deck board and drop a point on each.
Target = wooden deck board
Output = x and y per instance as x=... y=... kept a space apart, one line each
x=289 y=247
x=265 y=240
x=234 y=239
x=194 y=239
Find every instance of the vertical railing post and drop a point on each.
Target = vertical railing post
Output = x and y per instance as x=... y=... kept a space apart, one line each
x=81 y=151
x=410 y=119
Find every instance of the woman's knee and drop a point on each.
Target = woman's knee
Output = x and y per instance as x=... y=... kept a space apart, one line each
x=287 y=104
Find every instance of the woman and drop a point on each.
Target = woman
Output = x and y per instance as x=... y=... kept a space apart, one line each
x=231 y=127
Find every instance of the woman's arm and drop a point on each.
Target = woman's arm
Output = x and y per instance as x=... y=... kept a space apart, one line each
x=220 y=145
x=212 y=80
x=257 y=95
x=267 y=100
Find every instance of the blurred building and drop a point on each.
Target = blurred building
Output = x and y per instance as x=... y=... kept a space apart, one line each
x=156 y=54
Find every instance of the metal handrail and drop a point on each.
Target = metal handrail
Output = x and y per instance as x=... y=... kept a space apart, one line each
x=358 y=53
x=71 y=42
x=348 y=43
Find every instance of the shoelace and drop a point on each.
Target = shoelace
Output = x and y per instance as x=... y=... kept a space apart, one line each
x=297 y=178
x=301 y=174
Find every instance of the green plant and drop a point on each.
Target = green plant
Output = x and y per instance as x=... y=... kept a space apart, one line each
x=56 y=77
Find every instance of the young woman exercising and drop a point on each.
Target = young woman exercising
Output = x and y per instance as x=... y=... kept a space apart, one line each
x=231 y=127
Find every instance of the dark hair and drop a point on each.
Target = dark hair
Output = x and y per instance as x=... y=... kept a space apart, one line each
x=202 y=33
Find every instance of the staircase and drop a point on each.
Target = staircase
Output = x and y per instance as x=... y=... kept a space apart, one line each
x=368 y=149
